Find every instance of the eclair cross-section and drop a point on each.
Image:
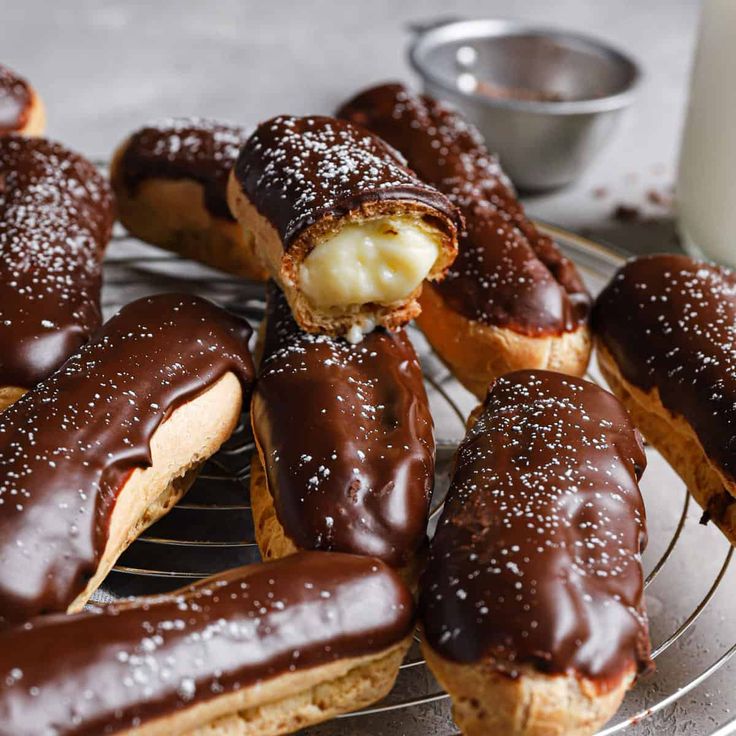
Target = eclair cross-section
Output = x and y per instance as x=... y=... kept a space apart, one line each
x=344 y=227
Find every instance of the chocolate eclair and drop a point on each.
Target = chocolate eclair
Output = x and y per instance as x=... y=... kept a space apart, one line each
x=346 y=230
x=21 y=109
x=665 y=332
x=532 y=605
x=510 y=300
x=170 y=182
x=104 y=447
x=56 y=218
x=346 y=439
x=265 y=649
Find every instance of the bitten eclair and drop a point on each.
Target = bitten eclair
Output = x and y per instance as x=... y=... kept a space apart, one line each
x=257 y=651
x=510 y=300
x=170 y=183
x=56 y=217
x=532 y=604
x=666 y=342
x=347 y=231
x=104 y=447
x=346 y=438
x=21 y=109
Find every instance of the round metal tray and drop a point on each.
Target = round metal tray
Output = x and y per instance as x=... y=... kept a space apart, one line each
x=689 y=580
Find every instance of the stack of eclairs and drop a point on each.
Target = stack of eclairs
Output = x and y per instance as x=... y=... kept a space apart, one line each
x=528 y=600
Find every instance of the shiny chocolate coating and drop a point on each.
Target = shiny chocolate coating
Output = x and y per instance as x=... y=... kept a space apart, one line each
x=507 y=273
x=670 y=324
x=68 y=446
x=297 y=171
x=185 y=148
x=347 y=438
x=56 y=217
x=15 y=101
x=536 y=559
x=127 y=664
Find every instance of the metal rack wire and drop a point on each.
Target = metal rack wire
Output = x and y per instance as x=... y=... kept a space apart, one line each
x=211 y=529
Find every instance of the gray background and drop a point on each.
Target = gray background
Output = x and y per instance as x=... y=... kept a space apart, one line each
x=105 y=67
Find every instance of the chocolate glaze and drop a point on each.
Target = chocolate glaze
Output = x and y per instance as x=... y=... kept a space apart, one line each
x=347 y=438
x=507 y=273
x=670 y=323
x=297 y=171
x=185 y=148
x=68 y=446
x=56 y=216
x=15 y=101
x=536 y=560
x=128 y=664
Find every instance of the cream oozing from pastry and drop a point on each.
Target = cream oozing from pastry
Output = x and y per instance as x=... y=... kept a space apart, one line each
x=380 y=261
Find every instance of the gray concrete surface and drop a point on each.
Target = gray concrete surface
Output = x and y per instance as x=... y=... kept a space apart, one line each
x=106 y=66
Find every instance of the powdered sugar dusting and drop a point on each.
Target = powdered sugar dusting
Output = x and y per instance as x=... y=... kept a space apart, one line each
x=537 y=556
x=67 y=446
x=188 y=141
x=507 y=272
x=55 y=219
x=670 y=323
x=296 y=170
x=347 y=438
x=146 y=659
x=200 y=149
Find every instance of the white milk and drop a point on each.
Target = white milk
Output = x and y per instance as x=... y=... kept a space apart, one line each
x=706 y=187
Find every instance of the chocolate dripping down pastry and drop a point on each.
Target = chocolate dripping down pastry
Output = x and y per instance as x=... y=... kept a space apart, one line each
x=665 y=331
x=170 y=183
x=532 y=602
x=56 y=218
x=511 y=300
x=265 y=649
x=345 y=443
x=342 y=225
x=110 y=442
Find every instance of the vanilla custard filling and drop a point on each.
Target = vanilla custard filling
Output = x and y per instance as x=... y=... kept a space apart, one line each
x=380 y=261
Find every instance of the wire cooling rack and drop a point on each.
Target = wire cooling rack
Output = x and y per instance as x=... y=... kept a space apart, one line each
x=690 y=582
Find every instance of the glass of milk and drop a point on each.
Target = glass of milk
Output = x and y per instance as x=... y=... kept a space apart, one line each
x=706 y=185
